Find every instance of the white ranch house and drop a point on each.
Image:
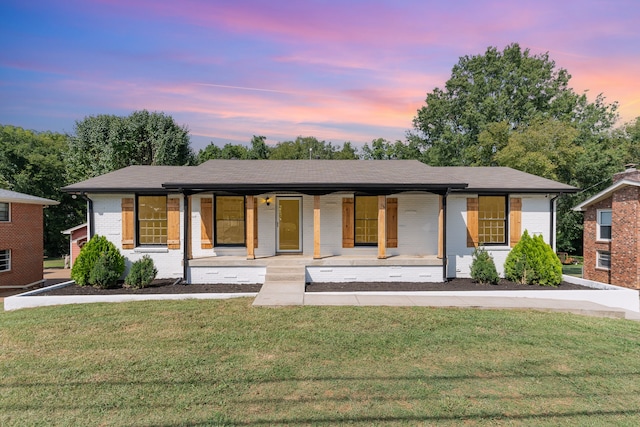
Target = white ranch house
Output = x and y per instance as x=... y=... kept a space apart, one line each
x=346 y=221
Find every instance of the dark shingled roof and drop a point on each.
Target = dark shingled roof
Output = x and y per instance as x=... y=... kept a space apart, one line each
x=317 y=177
x=8 y=196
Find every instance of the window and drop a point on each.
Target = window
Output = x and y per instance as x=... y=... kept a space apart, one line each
x=4 y=211
x=230 y=221
x=366 y=220
x=604 y=224
x=5 y=260
x=492 y=220
x=152 y=220
x=603 y=260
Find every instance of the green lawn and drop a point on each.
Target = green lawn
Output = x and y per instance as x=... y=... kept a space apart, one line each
x=53 y=263
x=572 y=270
x=201 y=363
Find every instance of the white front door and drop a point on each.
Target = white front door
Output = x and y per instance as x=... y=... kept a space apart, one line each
x=289 y=221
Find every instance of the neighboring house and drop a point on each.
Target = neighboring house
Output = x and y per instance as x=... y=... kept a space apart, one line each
x=392 y=220
x=77 y=239
x=21 y=238
x=612 y=232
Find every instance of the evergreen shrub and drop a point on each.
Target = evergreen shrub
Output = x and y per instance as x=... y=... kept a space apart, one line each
x=105 y=272
x=141 y=274
x=533 y=262
x=483 y=269
x=88 y=258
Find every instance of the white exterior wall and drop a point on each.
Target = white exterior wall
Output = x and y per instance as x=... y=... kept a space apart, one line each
x=414 y=274
x=536 y=219
x=108 y=222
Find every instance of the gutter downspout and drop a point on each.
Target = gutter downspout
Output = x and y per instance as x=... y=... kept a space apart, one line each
x=445 y=258
x=92 y=227
x=552 y=221
x=186 y=240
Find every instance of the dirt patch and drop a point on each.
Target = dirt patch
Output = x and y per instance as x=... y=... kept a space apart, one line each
x=168 y=286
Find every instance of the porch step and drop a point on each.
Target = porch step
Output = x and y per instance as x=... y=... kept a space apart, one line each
x=283 y=285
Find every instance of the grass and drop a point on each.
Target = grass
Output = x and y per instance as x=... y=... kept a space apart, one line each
x=572 y=270
x=201 y=363
x=53 y=263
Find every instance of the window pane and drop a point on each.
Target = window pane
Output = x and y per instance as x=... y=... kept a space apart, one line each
x=230 y=227
x=492 y=219
x=605 y=217
x=366 y=221
x=604 y=260
x=5 y=260
x=152 y=220
x=4 y=211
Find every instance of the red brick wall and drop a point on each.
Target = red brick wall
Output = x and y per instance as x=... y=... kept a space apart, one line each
x=589 y=270
x=23 y=235
x=625 y=238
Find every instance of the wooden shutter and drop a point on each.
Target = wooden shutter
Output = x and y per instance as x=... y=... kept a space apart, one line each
x=515 y=220
x=206 y=223
x=347 y=223
x=173 y=223
x=255 y=222
x=392 y=222
x=472 y=222
x=127 y=223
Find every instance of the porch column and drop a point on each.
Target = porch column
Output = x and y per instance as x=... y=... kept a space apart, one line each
x=441 y=228
x=382 y=227
x=316 y=227
x=249 y=224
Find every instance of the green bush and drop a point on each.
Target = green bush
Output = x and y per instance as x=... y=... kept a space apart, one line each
x=89 y=256
x=483 y=269
x=141 y=274
x=533 y=262
x=105 y=272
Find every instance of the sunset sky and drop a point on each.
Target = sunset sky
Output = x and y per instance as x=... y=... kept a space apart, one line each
x=339 y=70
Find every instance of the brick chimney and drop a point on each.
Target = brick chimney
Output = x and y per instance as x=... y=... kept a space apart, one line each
x=630 y=173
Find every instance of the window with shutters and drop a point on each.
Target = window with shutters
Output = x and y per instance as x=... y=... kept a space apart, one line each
x=492 y=220
x=151 y=220
x=230 y=221
x=366 y=220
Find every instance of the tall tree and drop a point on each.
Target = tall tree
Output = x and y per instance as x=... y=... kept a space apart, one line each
x=381 y=149
x=33 y=163
x=512 y=86
x=105 y=143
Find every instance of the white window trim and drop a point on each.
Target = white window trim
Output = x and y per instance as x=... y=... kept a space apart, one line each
x=8 y=212
x=598 y=257
x=9 y=263
x=598 y=225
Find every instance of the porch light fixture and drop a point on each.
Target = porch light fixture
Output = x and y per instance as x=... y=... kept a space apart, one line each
x=267 y=201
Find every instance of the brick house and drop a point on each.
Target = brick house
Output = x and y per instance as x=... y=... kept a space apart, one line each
x=612 y=232
x=21 y=238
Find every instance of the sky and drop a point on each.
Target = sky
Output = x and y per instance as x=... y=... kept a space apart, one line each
x=338 y=70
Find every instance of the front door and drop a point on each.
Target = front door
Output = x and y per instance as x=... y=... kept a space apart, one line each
x=289 y=232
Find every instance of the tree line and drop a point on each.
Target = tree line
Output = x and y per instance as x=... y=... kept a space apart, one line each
x=501 y=108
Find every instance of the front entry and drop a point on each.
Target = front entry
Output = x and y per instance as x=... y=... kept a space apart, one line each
x=289 y=232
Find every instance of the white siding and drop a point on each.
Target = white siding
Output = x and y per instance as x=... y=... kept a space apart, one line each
x=374 y=274
x=535 y=219
x=108 y=222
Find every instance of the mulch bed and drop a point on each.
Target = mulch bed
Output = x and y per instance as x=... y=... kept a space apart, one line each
x=451 y=285
x=167 y=286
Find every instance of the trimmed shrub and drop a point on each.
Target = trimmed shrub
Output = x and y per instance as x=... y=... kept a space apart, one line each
x=533 y=262
x=483 y=269
x=105 y=272
x=89 y=256
x=141 y=274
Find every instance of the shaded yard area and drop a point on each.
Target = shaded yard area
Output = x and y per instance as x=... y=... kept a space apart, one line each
x=169 y=363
